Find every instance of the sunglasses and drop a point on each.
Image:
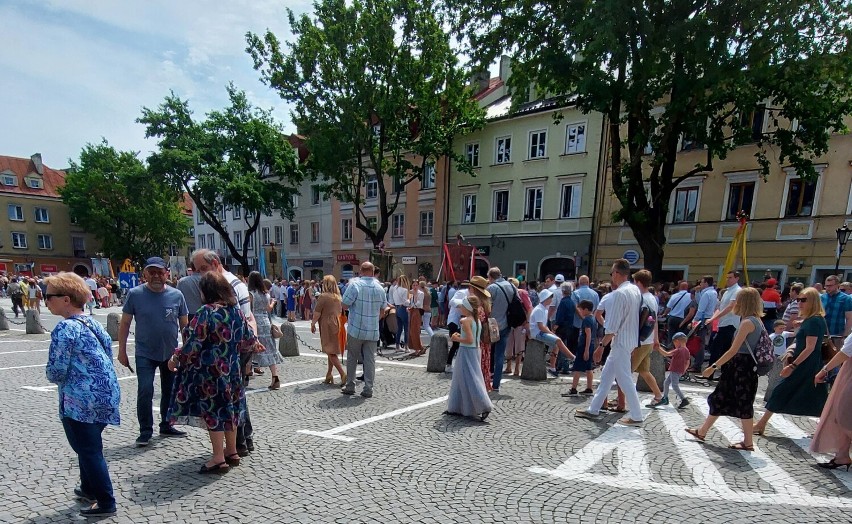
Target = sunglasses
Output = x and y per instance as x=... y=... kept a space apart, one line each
x=48 y=296
x=802 y=299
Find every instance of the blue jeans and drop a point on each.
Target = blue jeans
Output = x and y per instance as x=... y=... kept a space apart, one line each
x=401 y=324
x=145 y=369
x=85 y=440
x=498 y=356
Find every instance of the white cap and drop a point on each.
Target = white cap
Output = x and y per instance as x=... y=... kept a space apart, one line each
x=559 y=278
x=544 y=294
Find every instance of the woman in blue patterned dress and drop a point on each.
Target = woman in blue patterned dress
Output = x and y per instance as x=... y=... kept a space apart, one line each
x=208 y=391
x=80 y=363
x=261 y=307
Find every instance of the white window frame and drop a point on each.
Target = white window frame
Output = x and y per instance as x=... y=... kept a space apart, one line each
x=294 y=198
x=236 y=212
x=238 y=239
x=278 y=232
x=739 y=178
x=19 y=240
x=316 y=196
x=373 y=181
x=494 y=203
x=19 y=215
x=696 y=182
x=507 y=155
x=346 y=229
x=294 y=234
x=202 y=242
x=35 y=183
x=578 y=146
x=540 y=144
x=211 y=241
x=468 y=218
x=429 y=217
x=45 y=242
x=529 y=215
x=200 y=218
x=315 y=232
x=398 y=225
x=428 y=180
x=9 y=179
x=250 y=240
x=576 y=189
x=264 y=236
x=471 y=152
x=793 y=175
x=46 y=215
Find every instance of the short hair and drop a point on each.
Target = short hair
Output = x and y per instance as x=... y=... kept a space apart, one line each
x=749 y=303
x=583 y=280
x=832 y=278
x=621 y=266
x=494 y=273
x=207 y=254
x=643 y=276
x=549 y=276
x=255 y=282
x=812 y=307
x=329 y=285
x=735 y=273
x=514 y=281
x=566 y=288
x=586 y=304
x=797 y=287
x=708 y=279
x=778 y=322
x=215 y=288
x=72 y=286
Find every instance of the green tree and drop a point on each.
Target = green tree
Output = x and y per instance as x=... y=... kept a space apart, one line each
x=709 y=64
x=111 y=195
x=377 y=92
x=235 y=158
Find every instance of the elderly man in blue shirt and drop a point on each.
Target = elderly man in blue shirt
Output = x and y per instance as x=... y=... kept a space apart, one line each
x=708 y=301
x=364 y=298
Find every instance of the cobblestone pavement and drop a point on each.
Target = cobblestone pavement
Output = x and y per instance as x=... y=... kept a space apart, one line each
x=395 y=458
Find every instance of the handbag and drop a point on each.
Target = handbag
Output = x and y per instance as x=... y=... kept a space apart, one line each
x=276 y=331
x=493 y=330
x=828 y=350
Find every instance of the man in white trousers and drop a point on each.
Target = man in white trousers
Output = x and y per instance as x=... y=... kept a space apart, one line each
x=622 y=331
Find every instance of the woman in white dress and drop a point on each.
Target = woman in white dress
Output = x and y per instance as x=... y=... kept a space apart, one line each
x=468 y=395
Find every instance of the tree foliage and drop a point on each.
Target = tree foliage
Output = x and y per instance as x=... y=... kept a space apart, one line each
x=111 y=195
x=707 y=65
x=238 y=157
x=377 y=92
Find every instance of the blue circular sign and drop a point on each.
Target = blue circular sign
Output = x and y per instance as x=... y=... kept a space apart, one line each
x=632 y=256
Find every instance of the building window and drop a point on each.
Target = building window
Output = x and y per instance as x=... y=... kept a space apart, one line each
x=279 y=235
x=294 y=199
x=740 y=199
x=264 y=236
x=10 y=180
x=575 y=138
x=469 y=209
x=42 y=215
x=315 y=195
x=294 y=233
x=538 y=143
x=372 y=187
x=689 y=143
x=16 y=213
x=211 y=241
x=532 y=205
x=201 y=243
x=800 y=198
x=686 y=205
x=428 y=181
x=570 y=205
x=78 y=244
x=248 y=213
x=236 y=213
x=372 y=225
x=315 y=232
x=45 y=242
x=501 y=205
x=427 y=223
x=238 y=240
x=19 y=240
x=35 y=183
x=397 y=185
x=472 y=153
x=223 y=213
x=398 y=223
x=346 y=229
x=504 y=150
x=200 y=218
x=755 y=120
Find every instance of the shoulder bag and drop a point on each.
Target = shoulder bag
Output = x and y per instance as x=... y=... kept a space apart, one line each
x=828 y=350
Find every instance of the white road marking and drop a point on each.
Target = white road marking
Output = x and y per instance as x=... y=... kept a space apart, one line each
x=44 y=389
x=24 y=351
x=23 y=367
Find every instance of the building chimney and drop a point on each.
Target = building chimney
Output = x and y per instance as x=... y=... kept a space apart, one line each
x=480 y=80
x=39 y=167
x=505 y=68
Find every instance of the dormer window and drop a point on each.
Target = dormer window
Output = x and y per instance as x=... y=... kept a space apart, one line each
x=35 y=183
x=9 y=180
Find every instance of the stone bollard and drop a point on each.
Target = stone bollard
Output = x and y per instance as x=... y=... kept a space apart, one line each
x=33 y=323
x=535 y=361
x=438 y=353
x=113 y=320
x=658 y=369
x=4 y=323
x=287 y=344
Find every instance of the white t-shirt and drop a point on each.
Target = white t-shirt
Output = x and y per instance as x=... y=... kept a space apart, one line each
x=729 y=296
x=92 y=284
x=539 y=314
x=779 y=342
x=602 y=303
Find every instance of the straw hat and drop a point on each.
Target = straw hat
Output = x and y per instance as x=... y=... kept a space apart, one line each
x=480 y=284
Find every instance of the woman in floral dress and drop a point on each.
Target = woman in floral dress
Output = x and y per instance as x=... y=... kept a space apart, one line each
x=208 y=390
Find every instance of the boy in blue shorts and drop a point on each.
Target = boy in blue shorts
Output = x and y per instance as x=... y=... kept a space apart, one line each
x=583 y=363
x=539 y=330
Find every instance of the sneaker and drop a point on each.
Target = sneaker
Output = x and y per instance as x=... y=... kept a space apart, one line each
x=84 y=497
x=143 y=440
x=553 y=372
x=250 y=444
x=367 y=394
x=584 y=413
x=172 y=432
x=657 y=403
x=571 y=393
x=347 y=391
x=97 y=511
x=448 y=369
x=683 y=403
x=587 y=392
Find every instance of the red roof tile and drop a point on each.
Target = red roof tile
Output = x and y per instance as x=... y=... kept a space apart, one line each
x=52 y=179
x=493 y=84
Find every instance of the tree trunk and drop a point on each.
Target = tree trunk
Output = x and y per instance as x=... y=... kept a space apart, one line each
x=652 y=242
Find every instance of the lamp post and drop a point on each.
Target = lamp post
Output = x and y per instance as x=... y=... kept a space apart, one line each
x=842 y=238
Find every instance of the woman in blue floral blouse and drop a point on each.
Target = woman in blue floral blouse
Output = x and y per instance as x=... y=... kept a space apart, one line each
x=208 y=390
x=80 y=363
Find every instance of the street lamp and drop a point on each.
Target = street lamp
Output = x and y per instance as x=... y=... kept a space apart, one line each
x=842 y=238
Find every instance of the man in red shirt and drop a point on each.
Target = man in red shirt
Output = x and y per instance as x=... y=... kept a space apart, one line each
x=771 y=303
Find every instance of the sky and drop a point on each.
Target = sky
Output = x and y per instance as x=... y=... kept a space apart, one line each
x=77 y=71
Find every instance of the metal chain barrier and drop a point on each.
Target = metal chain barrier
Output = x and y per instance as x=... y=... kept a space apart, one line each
x=378 y=350
x=306 y=344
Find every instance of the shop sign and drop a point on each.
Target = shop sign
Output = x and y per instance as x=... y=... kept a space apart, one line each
x=632 y=256
x=312 y=263
x=409 y=261
x=49 y=268
x=483 y=251
x=347 y=257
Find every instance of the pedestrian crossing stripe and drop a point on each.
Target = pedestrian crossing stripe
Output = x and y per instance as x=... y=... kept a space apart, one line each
x=634 y=470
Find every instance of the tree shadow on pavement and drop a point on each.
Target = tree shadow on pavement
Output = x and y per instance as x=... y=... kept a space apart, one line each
x=175 y=480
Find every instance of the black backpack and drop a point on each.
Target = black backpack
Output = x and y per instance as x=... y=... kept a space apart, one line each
x=516 y=315
x=647 y=320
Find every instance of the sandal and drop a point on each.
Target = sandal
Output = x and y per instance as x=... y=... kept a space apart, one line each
x=233 y=459
x=696 y=434
x=619 y=410
x=219 y=468
x=740 y=446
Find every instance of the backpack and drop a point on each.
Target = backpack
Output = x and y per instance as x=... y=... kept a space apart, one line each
x=516 y=315
x=763 y=353
x=647 y=321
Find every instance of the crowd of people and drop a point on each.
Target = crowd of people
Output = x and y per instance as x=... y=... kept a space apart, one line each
x=211 y=331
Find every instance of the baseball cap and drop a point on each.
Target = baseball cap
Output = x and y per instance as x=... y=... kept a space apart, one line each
x=771 y=282
x=559 y=278
x=679 y=334
x=544 y=294
x=155 y=262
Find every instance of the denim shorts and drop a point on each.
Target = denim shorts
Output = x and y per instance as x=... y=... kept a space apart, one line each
x=550 y=340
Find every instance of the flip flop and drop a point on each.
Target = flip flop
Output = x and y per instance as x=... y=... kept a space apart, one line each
x=696 y=434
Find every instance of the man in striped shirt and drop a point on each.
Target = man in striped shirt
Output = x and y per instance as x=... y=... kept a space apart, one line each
x=364 y=298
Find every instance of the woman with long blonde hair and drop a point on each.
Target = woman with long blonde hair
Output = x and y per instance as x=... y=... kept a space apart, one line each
x=327 y=314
